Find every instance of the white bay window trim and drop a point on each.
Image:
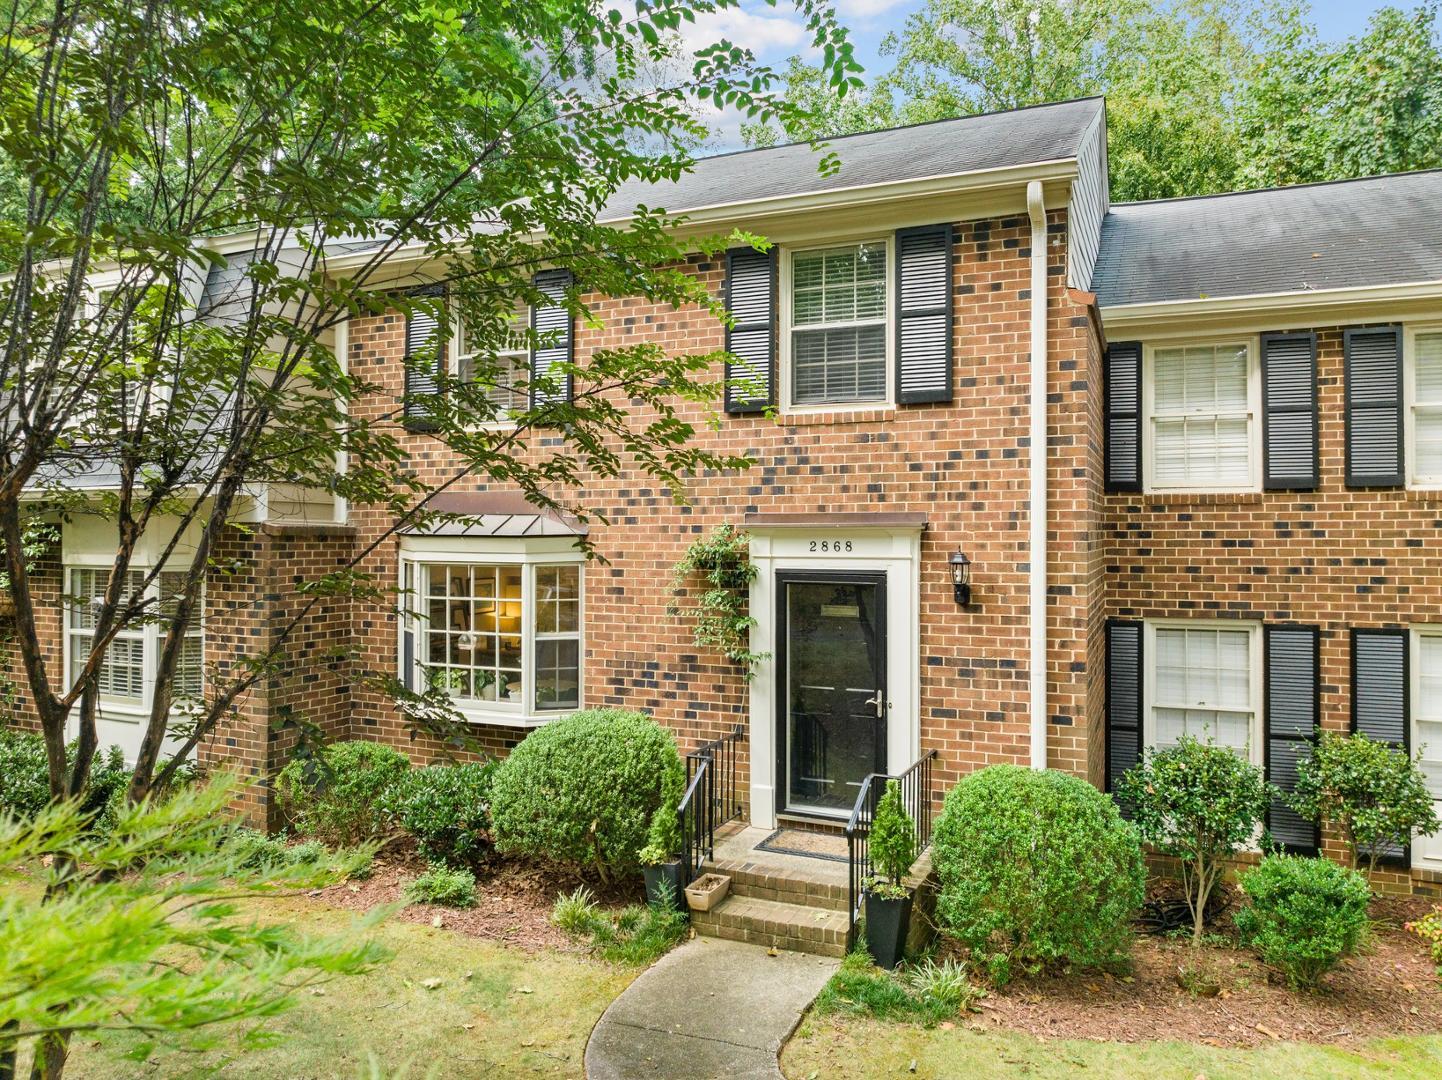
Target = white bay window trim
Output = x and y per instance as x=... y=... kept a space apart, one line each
x=1165 y=699
x=1425 y=707
x=786 y=327
x=533 y=556
x=1161 y=413
x=1422 y=414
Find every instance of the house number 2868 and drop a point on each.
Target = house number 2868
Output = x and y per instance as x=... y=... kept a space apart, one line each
x=831 y=546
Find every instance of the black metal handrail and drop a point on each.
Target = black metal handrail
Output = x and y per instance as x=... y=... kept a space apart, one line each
x=916 y=796
x=711 y=799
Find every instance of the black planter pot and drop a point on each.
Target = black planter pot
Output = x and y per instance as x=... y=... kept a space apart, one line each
x=671 y=874
x=887 y=922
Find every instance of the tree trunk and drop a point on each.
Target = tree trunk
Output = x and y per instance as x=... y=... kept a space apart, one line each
x=51 y=1051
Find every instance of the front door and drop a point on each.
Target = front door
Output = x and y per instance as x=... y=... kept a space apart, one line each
x=832 y=665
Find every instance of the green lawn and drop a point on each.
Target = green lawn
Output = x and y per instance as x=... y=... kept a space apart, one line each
x=496 y=1011
x=828 y=1047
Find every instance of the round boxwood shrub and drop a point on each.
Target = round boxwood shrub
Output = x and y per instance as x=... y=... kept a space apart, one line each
x=583 y=789
x=342 y=798
x=1303 y=915
x=447 y=808
x=1037 y=869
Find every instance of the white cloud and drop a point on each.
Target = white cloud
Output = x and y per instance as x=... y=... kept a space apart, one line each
x=865 y=9
x=767 y=35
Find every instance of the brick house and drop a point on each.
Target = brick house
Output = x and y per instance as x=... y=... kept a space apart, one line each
x=1191 y=449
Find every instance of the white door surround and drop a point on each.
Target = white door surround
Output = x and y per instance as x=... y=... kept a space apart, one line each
x=893 y=550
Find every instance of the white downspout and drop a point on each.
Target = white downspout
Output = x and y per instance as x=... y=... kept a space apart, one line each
x=1036 y=552
x=341 y=505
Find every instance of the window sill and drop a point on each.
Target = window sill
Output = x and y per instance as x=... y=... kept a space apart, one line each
x=511 y=719
x=1197 y=498
x=840 y=414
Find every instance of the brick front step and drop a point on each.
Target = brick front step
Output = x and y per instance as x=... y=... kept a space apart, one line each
x=795 y=927
x=784 y=885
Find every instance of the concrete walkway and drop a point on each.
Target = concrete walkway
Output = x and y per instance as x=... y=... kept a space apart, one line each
x=711 y=1008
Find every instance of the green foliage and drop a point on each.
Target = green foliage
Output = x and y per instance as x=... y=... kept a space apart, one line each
x=1303 y=915
x=1371 y=793
x=893 y=836
x=444 y=885
x=447 y=808
x=634 y=935
x=343 y=794
x=928 y=992
x=140 y=930
x=1200 y=804
x=25 y=778
x=663 y=838
x=1429 y=929
x=1037 y=869
x=720 y=612
x=584 y=790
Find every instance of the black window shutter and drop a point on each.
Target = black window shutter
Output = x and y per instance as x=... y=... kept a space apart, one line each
x=553 y=322
x=751 y=299
x=1289 y=412
x=1292 y=713
x=1124 y=698
x=923 y=314
x=1123 y=448
x=1379 y=697
x=425 y=353
x=1373 y=359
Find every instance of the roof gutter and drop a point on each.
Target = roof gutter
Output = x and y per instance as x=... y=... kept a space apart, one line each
x=1037 y=548
x=1297 y=307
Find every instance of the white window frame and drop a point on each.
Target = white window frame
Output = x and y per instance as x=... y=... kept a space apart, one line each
x=417 y=552
x=1426 y=850
x=1256 y=743
x=1410 y=404
x=784 y=327
x=151 y=635
x=1253 y=414
x=455 y=354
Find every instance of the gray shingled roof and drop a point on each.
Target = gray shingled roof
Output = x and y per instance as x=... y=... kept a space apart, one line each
x=1384 y=230
x=945 y=147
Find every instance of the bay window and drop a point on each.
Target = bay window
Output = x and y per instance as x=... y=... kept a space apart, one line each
x=1204 y=683
x=502 y=635
x=1201 y=417
x=838 y=334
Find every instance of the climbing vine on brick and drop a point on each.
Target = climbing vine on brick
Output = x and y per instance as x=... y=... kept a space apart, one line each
x=719 y=608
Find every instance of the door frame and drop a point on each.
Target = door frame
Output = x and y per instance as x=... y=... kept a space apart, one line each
x=783 y=578
x=890 y=549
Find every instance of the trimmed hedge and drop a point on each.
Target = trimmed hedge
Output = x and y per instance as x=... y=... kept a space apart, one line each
x=583 y=789
x=1037 y=870
x=343 y=798
x=25 y=776
x=1304 y=915
x=447 y=808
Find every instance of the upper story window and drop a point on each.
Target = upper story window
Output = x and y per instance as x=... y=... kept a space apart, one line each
x=128 y=671
x=1204 y=684
x=504 y=372
x=1424 y=421
x=1202 y=431
x=501 y=636
x=838 y=335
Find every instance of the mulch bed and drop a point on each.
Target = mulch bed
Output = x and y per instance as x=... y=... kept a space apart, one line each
x=514 y=898
x=1390 y=988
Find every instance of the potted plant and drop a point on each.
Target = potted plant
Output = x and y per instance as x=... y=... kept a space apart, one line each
x=888 y=901
x=661 y=862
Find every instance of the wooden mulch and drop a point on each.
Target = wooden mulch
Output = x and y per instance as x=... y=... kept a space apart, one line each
x=1391 y=987
x=514 y=898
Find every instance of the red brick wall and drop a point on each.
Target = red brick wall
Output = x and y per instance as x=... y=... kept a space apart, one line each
x=964 y=464
x=1334 y=558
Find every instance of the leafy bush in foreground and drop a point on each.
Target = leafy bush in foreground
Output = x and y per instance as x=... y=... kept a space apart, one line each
x=636 y=934
x=584 y=789
x=447 y=808
x=1037 y=868
x=1304 y=915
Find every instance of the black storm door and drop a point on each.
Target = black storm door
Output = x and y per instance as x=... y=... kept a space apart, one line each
x=833 y=687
